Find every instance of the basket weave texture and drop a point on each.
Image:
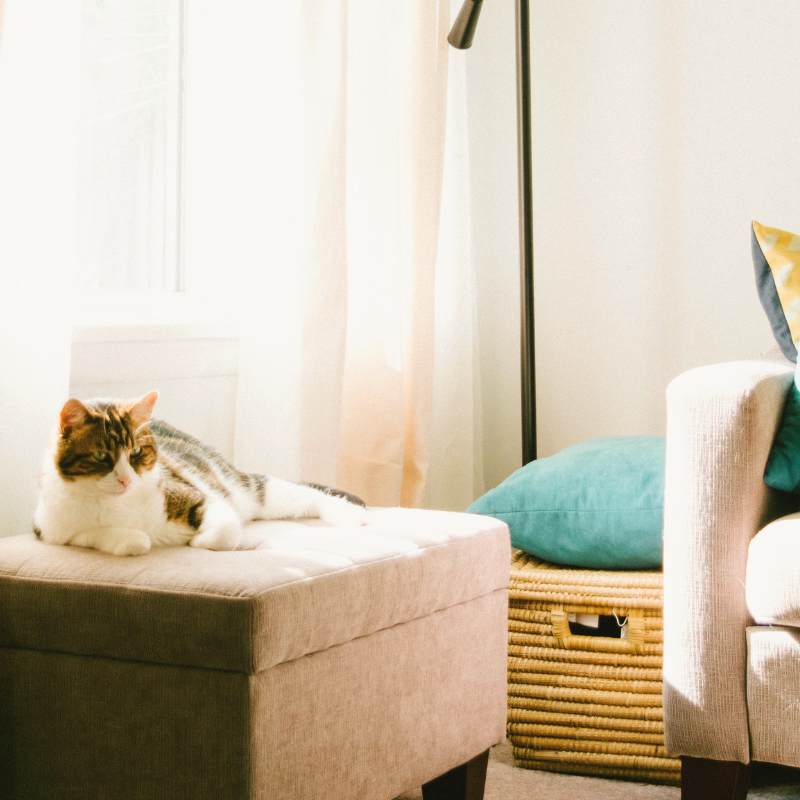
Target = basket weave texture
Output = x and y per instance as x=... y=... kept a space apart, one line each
x=588 y=705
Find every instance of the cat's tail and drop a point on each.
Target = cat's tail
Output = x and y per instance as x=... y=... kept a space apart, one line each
x=351 y=498
x=280 y=499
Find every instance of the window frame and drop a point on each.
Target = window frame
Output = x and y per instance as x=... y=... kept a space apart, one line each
x=106 y=307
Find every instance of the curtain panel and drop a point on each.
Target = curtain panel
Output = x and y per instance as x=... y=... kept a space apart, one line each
x=328 y=214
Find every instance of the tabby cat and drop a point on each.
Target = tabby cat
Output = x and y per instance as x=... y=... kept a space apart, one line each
x=115 y=480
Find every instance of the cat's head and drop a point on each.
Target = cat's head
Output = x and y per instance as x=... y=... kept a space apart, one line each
x=106 y=441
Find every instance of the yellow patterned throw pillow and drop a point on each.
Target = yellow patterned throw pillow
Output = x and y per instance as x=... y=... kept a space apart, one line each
x=776 y=257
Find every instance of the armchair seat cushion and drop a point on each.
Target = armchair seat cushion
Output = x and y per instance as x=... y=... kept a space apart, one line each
x=773 y=573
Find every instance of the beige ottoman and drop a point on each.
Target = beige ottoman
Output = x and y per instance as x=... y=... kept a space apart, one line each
x=313 y=662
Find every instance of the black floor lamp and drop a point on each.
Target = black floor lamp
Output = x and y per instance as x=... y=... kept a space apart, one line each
x=461 y=38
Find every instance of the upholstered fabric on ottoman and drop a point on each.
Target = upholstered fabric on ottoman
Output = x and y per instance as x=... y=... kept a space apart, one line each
x=313 y=662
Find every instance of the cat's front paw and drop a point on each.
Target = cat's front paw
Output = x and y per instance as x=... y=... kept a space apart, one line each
x=132 y=545
x=345 y=515
x=221 y=529
x=224 y=537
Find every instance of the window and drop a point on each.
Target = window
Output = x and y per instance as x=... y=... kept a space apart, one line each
x=129 y=163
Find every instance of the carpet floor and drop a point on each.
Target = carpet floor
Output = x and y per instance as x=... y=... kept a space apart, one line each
x=504 y=781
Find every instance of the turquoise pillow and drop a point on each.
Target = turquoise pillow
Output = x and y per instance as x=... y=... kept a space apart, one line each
x=598 y=504
x=783 y=465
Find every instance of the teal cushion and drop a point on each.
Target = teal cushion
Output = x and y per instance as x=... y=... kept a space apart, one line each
x=598 y=504
x=783 y=464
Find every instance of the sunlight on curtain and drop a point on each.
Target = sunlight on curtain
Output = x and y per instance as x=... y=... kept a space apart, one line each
x=410 y=304
x=455 y=473
x=38 y=134
x=318 y=225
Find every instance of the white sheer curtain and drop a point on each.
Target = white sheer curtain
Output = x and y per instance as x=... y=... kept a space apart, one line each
x=38 y=107
x=327 y=212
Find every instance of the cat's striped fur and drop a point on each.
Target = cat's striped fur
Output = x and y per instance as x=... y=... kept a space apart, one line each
x=118 y=481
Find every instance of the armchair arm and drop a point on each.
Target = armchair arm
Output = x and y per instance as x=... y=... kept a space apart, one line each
x=721 y=421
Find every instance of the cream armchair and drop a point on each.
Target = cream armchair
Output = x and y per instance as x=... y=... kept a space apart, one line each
x=731 y=587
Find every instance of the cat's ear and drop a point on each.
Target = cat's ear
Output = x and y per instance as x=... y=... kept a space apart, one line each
x=140 y=410
x=73 y=414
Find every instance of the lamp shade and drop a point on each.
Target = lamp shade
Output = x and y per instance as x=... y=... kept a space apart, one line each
x=464 y=27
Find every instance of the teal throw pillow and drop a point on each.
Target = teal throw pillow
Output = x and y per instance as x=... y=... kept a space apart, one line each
x=598 y=504
x=783 y=465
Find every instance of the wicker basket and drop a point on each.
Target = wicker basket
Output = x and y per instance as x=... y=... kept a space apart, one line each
x=582 y=704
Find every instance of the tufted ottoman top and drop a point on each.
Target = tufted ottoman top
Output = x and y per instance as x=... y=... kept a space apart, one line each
x=292 y=588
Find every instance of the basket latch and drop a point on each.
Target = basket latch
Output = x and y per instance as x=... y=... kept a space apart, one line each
x=559 y=620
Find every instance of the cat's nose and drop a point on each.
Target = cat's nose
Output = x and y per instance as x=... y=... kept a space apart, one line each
x=124 y=480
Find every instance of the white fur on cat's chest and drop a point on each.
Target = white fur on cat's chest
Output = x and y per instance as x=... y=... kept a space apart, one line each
x=69 y=507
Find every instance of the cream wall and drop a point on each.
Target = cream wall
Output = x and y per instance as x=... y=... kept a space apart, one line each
x=491 y=112
x=661 y=128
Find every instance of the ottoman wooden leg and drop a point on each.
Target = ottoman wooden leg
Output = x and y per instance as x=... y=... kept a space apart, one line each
x=462 y=783
x=705 y=779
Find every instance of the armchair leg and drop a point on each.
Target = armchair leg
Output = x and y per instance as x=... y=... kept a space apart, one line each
x=706 y=779
x=466 y=782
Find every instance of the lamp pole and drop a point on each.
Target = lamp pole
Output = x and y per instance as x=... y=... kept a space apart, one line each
x=461 y=36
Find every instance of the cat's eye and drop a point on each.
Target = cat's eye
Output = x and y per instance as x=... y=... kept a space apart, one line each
x=100 y=455
x=137 y=451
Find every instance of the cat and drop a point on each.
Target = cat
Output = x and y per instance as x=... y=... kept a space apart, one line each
x=117 y=481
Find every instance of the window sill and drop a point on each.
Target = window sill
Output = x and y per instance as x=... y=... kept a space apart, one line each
x=114 y=354
x=150 y=333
